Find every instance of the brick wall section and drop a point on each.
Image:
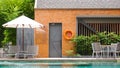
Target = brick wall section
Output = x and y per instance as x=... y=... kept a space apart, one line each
x=68 y=20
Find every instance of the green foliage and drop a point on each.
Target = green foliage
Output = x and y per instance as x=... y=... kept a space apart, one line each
x=94 y=38
x=9 y=36
x=1 y=29
x=108 y=38
x=9 y=10
x=71 y=53
x=83 y=43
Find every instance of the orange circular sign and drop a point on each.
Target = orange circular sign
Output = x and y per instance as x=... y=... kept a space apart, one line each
x=68 y=34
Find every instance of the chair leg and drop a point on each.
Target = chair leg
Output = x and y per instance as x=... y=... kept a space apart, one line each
x=115 y=55
x=93 y=55
x=97 y=54
x=16 y=56
x=101 y=54
x=110 y=55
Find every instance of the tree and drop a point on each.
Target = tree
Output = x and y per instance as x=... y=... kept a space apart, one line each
x=11 y=9
x=1 y=28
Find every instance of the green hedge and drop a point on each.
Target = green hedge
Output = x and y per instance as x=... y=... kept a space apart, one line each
x=83 y=43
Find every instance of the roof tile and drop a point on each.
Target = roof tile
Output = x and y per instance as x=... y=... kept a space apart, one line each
x=78 y=4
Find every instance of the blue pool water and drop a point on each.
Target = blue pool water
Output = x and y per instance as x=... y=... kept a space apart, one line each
x=8 y=64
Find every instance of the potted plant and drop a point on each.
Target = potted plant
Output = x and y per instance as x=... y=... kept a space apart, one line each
x=94 y=39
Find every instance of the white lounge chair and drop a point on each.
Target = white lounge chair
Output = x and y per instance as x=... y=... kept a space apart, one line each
x=32 y=51
x=12 y=50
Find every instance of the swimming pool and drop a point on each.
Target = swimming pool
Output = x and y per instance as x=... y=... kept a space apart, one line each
x=58 y=64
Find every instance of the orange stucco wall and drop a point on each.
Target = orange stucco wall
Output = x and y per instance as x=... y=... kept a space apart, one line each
x=68 y=19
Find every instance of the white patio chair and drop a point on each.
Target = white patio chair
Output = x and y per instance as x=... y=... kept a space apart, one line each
x=12 y=50
x=118 y=49
x=32 y=51
x=113 y=49
x=97 y=49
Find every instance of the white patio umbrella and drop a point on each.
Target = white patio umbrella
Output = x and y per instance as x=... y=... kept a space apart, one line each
x=23 y=22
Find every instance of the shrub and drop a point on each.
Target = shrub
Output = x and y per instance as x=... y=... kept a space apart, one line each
x=83 y=45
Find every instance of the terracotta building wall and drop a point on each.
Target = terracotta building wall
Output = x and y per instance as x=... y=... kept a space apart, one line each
x=68 y=19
